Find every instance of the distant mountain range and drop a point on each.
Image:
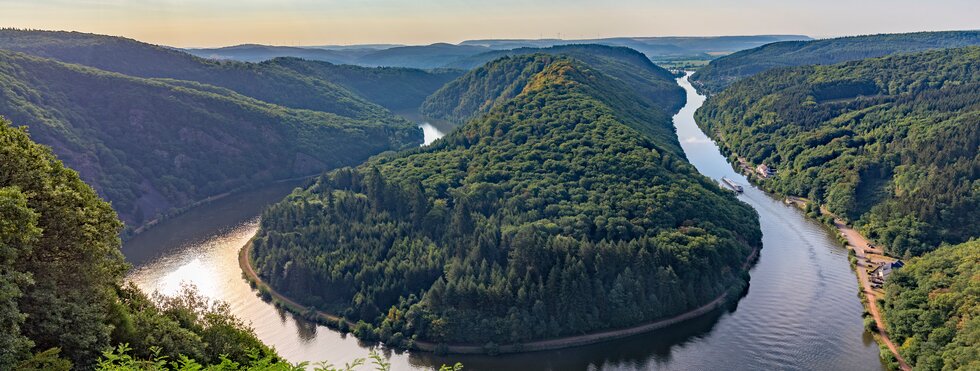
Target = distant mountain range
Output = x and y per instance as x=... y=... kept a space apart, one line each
x=450 y=55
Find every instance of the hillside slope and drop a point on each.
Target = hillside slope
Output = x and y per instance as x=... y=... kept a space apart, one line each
x=580 y=51
x=551 y=214
x=150 y=146
x=932 y=308
x=421 y=56
x=62 y=297
x=265 y=81
x=260 y=53
x=890 y=143
x=481 y=89
x=723 y=71
x=395 y=88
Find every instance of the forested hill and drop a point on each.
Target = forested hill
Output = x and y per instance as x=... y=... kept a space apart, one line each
x=723 y=71
x=395 y=88
x=62 y=283
x=932 y=308
x=259 y=53
x=420 y=56
x=549 y=215
x=889 y=143
x=149 y=146
x=318 y=87
x=480 y=89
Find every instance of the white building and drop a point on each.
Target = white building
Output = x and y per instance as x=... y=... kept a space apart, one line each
x=765 y=171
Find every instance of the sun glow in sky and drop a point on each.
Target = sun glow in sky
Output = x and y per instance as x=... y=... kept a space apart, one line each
x=187 y=23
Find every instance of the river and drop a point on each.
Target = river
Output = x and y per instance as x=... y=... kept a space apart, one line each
x=800 y=312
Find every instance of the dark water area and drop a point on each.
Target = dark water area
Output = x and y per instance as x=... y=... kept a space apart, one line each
x=800 y=312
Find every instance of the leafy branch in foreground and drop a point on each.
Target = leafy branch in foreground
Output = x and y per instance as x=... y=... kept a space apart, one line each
x=121 y=358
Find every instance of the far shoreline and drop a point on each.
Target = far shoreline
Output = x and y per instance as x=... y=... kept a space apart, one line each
x=855 y=243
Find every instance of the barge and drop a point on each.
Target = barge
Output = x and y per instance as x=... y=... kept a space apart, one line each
x=731 y=183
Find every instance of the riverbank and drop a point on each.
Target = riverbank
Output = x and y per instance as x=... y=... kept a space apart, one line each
x=799 y=312
x=866 y=257
x=130 y=233
x=267 y=292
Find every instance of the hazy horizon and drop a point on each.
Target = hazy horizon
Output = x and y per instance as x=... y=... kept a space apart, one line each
x=186 y=23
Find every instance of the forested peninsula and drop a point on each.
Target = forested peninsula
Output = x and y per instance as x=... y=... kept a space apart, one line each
x=565 y=209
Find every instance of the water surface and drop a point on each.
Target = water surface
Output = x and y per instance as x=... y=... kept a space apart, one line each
x=800 y=312
x=430 y=133
x=432 y=129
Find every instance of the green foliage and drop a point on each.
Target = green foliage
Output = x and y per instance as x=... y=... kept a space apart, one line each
x=419 y=56
x=555 y=213
x=888 y=143
x=18 y=232
x=266 y=82
x=932 y=308
x=455 y=367
x=397 y=89
x=121 y=359
x=61 y=277
x=726 y=70
x=482 y=89
x=48 y=360
x=485 y=87
x=150 y=146
x=61 y=258
x=186 y=325
x=870 y=325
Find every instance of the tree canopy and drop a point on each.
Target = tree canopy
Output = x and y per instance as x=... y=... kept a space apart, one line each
x=62 y=298
x=153 y=145
x=268 y=82
x=566 y=209
x=888 y=143
x=481 y=89
x=395 y=88
x=723 y=71
x=933 y=308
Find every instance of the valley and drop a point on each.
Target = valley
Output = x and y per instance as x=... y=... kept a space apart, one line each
x=766 y=201
x=793 y=305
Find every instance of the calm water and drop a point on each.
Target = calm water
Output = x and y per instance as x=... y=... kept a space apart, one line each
x=430 y=133
x=432 y=129
x=801 y=311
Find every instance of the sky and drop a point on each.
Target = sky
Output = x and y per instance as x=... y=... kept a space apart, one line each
x=203 y=23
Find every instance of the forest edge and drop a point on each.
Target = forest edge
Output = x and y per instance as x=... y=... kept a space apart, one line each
x=244 y=261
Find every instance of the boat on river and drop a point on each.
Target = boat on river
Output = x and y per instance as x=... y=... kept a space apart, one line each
x=731 y=184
